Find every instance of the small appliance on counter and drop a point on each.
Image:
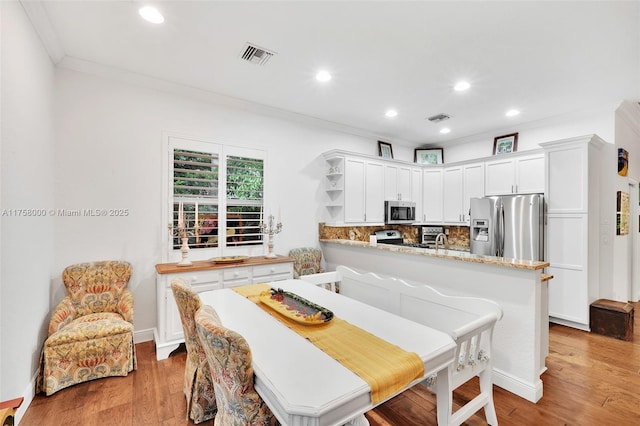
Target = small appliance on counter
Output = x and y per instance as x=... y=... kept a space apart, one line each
x=508 y=226
x=396 y=211
x=429 y=235
x=389 y=236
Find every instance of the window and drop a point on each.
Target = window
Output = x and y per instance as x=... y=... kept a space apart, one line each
x=220 y=192
x=245 y=177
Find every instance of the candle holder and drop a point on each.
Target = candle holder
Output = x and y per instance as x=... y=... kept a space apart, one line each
x=270 y=229
x=184 y=234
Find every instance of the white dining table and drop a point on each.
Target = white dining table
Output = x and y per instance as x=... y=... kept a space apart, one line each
x=299 y=382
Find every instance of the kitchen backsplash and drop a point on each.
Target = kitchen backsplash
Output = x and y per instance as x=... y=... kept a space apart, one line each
x=458 y=235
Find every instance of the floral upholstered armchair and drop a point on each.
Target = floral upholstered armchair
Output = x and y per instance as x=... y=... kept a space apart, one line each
x=198 y=385
x=229 y=356
x=90 y=333
x=306 y=261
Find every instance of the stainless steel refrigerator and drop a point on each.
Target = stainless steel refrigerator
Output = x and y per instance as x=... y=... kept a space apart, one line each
x=508 y=226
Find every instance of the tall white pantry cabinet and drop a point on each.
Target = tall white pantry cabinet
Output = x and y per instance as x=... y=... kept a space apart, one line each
x=575 y=171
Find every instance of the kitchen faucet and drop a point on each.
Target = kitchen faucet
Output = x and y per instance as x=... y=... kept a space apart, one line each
x=442 y=239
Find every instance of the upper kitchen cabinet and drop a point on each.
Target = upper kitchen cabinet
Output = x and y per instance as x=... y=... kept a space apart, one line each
x=416 y=190
x=397 y=182
x=460 y=184
x=515 y=174
x=431 y=195
x=363 y=198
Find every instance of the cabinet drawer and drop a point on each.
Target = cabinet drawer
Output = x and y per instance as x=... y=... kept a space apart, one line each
x=267 y=271
x=196 y=278
x=270 y=278
x=236 y=274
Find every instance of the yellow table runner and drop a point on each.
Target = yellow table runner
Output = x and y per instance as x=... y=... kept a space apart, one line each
x=387 y=368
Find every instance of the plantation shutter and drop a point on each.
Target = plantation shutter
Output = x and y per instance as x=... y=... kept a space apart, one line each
x=196 y=186
x=244 y=200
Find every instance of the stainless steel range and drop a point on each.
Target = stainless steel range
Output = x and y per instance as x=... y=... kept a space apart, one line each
x=390 y=236
x=427 y=238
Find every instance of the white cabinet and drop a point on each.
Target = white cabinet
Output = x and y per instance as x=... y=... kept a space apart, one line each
x=374 y=197
x=169 y=324
x=397 y=182
x=515 y=174
x=460 y=184
x=416 y=191
x=574 y=196
x=363 y=191
x=432 y=194
x=334 y=179
x=205 y=276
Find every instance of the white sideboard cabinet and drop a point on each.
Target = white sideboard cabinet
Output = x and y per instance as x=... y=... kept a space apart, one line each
x=205 y=276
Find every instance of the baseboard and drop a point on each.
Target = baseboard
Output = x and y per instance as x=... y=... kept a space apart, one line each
x=529 y=391
x=28 y=394
x=140 y=336
x=568 y=323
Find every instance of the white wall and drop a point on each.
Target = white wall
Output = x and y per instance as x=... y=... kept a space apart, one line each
x=26 y=183
x=627 y=130
x=530 y=135
x=108 y=155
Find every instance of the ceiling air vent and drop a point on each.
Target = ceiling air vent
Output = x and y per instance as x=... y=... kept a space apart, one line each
x=256 y=55
x=438 y=118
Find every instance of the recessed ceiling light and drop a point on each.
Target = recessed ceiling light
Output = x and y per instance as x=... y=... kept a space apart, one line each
x=512 y=113
x=461 y=86
x=445 y=130
x=323 y=76
x=391 y=113
x=151 y=14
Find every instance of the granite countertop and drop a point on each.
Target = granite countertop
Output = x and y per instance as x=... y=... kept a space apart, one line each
x=451 y=254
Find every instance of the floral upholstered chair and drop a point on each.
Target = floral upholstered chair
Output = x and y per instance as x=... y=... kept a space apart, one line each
x=91 y=330
x=229 y=356
x=198 y=385
x=306 y=261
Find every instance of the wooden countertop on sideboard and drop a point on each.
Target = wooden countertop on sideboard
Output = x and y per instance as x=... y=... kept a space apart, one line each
x=202 y=265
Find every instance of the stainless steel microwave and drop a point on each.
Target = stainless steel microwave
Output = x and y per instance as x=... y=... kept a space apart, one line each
x=399 y=211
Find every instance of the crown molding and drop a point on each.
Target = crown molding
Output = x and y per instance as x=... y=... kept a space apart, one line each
x=42 y=25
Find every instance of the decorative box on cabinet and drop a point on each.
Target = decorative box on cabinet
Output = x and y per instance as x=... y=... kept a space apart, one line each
x=205 y=276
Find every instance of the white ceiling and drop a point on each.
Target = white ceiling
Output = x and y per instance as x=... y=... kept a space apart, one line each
x=543 y=58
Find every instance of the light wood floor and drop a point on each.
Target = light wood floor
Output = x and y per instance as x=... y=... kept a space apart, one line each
x=591 y=380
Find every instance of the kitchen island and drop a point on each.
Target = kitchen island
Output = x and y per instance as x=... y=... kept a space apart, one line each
x=521 y=338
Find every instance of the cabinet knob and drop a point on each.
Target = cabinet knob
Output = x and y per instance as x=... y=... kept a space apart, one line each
x=272 y=269
x=194 y=278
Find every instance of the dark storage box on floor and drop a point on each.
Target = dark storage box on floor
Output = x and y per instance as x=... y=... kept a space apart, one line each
x=611 y=318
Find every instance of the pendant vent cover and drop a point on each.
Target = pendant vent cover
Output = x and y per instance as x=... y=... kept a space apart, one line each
x=438 y=118
x=256 y=55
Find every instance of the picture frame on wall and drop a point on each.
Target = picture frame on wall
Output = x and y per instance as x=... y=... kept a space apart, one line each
x=428 y=156
x=505 y=144
x=385 y=150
